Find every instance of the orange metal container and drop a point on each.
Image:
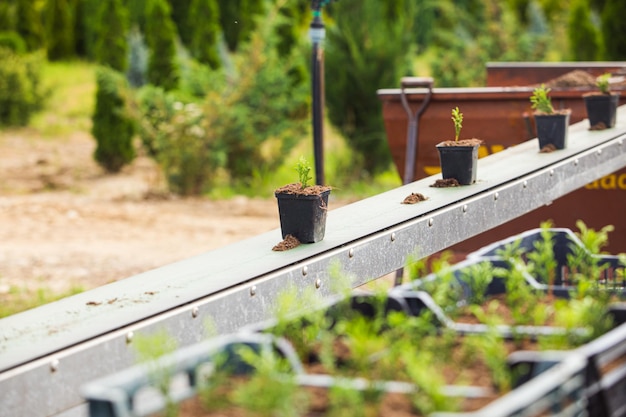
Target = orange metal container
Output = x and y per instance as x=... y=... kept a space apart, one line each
x=502 y=117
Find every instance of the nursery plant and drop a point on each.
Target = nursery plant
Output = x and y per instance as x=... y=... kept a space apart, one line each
x=459 y=157
x=551 y=124
x=601 y=105
x=302 y=207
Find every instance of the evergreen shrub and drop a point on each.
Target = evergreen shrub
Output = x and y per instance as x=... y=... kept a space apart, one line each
x=113 y=126
x=179 y=137
x=21 y=93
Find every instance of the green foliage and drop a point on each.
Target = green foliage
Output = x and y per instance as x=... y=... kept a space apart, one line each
x=367 y=48
x=18 y=299
x=111 y=48
x=137 y=58
x=180 y=16
x=265 y=113
x=289 y=27
x=470 y=34
x=59 y=29
x=12 y=41
x=238 y=20
x=21 y=93
x=540 y=100
x=284 y=399
x=163 y=69
x=149 y=348
x=204 y=27
x=181 y=139
x=87 y=27
x=303 y=168
x=112 y=128
x=614 y=30
x=585 y=42
x=457 y=119
x=478 y=277
x=602 y=82
x=29 y=24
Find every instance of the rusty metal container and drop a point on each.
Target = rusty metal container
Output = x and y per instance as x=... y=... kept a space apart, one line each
x=502 y=117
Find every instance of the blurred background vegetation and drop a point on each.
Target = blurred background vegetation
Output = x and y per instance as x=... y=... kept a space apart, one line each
x=217 y=92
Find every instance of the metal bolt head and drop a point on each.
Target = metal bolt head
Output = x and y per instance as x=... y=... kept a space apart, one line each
x=525 y=184
x=431 y=221
x=253 y=291
x=54 y=365
x=351 y=253
x=599 y=151
x=129 y=337
x=393 y=237
x=464 y=208
x=496 y=196
x=194 y=312
x=318 y=283
x=305 y=270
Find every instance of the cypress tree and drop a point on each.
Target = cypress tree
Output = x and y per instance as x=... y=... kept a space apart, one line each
x=584 y=37
x=112 y=48
x=237 y=18
x=163 y=70
x=614 y=29
x=59 y=30
x=180 y=16
x=204 y=26
x=365 y=51
x=112 y=128
x=29 y=24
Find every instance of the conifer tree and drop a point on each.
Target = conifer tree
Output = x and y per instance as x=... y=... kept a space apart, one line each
x=59 y=29
x=112 y=128
x=237 y=18
x=180 y=16
x=614 y=29
x=163 y=70
x=584 y=38
x=204 y=26
x=29 y=24
x=365 y=51
x=111 y=47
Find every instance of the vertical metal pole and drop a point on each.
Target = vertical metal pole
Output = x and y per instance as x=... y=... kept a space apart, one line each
x=317 y=33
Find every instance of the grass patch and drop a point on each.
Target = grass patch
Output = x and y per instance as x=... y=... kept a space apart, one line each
x=18 y=299
x=70 y=102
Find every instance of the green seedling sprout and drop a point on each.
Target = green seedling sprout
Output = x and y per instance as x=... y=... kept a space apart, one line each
x=541 y=101
x=602 y=82
x=457 y=118
x=303 y=168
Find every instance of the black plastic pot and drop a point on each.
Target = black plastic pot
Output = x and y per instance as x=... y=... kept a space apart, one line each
x=459 y=162
x=552 y=129
x=303 y=216
x=601 y=109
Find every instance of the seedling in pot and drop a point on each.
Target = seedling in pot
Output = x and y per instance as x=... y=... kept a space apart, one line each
x=457 y=119
x=304 y=168
x=602 y=82
x=540 y=100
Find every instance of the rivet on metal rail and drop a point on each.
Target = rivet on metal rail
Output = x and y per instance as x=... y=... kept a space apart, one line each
x=253 y=291
x=552 y=173
x=351 y=253
x=54 y=365
x=525 y=184
x=464 y=208
x=496 y=196
x=576 y=162
x=194 y=312
x=393 y=237
x=599 y=151
x=431 y=221
x=129 y=337
x=318 y=283
x=305 y=270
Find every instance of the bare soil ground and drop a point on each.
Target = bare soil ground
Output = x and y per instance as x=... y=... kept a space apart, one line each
x=64 y=223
